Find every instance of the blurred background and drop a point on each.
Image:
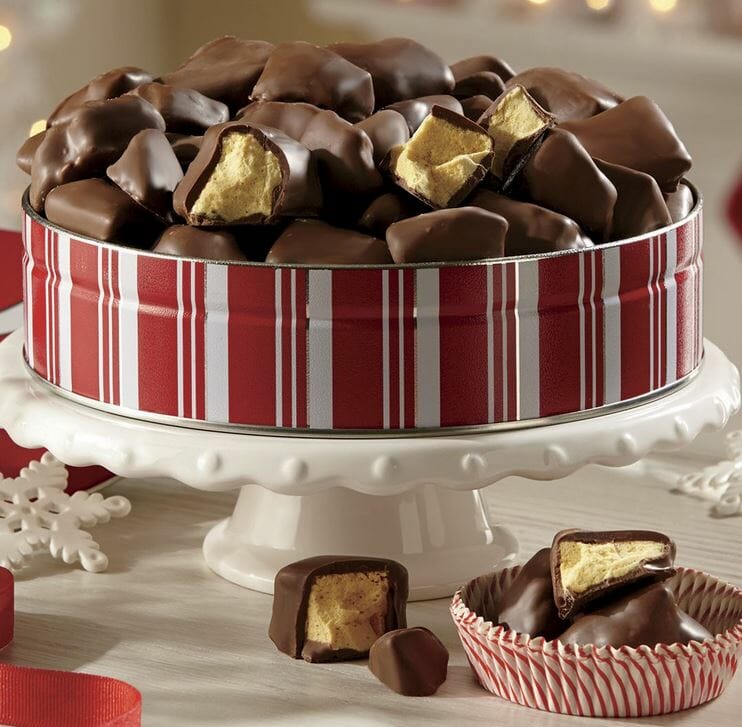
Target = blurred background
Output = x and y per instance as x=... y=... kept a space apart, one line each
x=686 y=54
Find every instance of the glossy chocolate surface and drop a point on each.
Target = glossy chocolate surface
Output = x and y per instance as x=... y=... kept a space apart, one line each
x=416 y=110
x=476 y=64
x=386 y=129
x=680 y=202
x=24 y=156
x=483 y=83
x=387 y=209
x=194 y=242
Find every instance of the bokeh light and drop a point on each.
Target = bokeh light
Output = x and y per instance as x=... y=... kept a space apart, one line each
x=663 y=6
x=598 y=4
x=37 y=127
x=6 y=37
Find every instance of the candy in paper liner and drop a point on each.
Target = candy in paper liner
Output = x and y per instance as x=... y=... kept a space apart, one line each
x=605 y=681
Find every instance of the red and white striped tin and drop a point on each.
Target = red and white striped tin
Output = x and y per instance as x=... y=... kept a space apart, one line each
x=363 y=350
x=605 y=681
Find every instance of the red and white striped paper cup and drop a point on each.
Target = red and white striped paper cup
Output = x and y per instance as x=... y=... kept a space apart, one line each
x=367 y=349
x=605 y=681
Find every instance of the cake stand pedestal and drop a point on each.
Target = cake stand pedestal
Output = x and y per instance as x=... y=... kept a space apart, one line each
x=414 y=499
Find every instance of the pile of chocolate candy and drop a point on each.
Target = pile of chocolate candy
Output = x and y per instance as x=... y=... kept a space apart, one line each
x=355 y=153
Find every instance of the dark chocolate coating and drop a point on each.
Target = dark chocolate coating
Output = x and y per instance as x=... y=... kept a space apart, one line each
x=386 y=129
x=416 y=110
x=474 y=107
x=95 y=137
x=476 y=64
x=224 y=69
x=97 y=209
x=185 y=111
x=479 y=596
x=640 y=206
x=185 y=147
x=412 y=662
x=679 y=203
x=299 y=71
x=298 y=193
x=531 y=229
x=562 y=177
x=483 y=83
x=110 y=84
x=644 y=617
x=387 y=209
x=569 y=603
x=293 y=584
x=569 y=96
x=313 y=242
x=460 y=233
x=24 y=156
x=636 y=134
x=148 y=171
x=187 y=241
x=528 y=604
x=401 y=68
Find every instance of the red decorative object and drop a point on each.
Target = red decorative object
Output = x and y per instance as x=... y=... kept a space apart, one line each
x=734 y=209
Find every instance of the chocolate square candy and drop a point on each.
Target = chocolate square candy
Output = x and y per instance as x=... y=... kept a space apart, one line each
x=400 y=68
x=386 y=129
x=333 y=607
x=195 y=242
x=462 y=233
x=299 y=71
x=586 y=565
x=185 y=147
x=246 y=173
x=679 y=203
x=484 y=82
x=476 y=64
x=387 y=209
x=416 y=110
x=25 y=154
x=444 y=160
x=475 y=106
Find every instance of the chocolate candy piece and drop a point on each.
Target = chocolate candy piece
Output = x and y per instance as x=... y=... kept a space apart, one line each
x=636 y=134
x=475 y=106
x=587 y=565
x=95 y=137
x=479 y=597
x=185 y=147
x=588 y=199
x=110 y=84
x=444 y=160
x=531 y=229
x=516 y=123
x=679 y=203
x=463 y=233
x=528 y=604
x=247 y=173
x=224 y=69
x=333 y=607
x=386 y=129
x=401 y=68
x=644 y=617
x=484 y=82
x=412 y=662
x=640 y=207
x=387 y=209
x=476 y=64
x=24 y=156
x=567 y=95
x=148 y=171
x=416 y=110
x=97 y=209
x=187 y=241
x=300 y=71
x=313 y=242
x=185 y=111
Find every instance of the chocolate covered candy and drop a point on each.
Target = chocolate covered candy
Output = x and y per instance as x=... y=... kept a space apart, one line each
x=400 y=68
x=679 y=203
x=333 y=608
x=24 y=156
x=644 y=617
x=148 y=171
x=569 y=96
x=299 y=71
x=110 y=84
x=97 y=209
x=444 y=160
x=562 y=177
x=474 y=107
x=636 y=134
x=416 y=110
x=412 y=662
x=463 y=233
x=586 y=565
x=95 y=137
x=313 y=242
x=387 y=209
x=185 y=147
x=194 y=242
x=531 y=229
x=224 y=69
x=386 y=129
x=247 y=173
x=640 y=206
x=476 y=64
x=185 y=111
x=485 y=83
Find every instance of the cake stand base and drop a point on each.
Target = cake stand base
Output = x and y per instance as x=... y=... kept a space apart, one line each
x=442 y=537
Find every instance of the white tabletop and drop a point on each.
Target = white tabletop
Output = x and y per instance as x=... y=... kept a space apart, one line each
x=197 y=646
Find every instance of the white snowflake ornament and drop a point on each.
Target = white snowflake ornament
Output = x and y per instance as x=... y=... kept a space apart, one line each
x=37 y=515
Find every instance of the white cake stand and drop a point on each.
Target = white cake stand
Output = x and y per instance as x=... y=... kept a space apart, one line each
x=414 y=499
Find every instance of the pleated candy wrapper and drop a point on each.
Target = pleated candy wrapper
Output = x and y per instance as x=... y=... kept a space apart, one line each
x=605 y=681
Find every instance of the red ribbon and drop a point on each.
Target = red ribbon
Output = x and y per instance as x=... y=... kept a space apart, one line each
x=48 y=698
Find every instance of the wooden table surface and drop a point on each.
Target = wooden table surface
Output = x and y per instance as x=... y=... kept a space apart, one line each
x=197 y=647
